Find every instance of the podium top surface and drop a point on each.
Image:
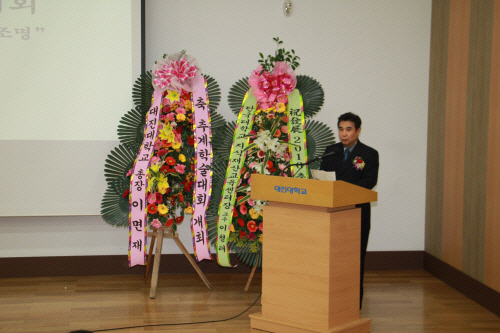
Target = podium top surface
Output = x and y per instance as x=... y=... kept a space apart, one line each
x=310 y=192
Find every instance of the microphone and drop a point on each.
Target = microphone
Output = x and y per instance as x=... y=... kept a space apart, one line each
x=335 y=151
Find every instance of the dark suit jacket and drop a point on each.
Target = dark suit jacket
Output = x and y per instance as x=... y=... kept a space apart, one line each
x=367 y=177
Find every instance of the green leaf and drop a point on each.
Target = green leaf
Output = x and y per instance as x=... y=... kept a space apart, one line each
x=242 y=200
x=249 y=147
x=242 y=188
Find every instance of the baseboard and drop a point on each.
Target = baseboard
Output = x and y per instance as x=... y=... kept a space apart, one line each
x=170 y=264
x=106 y=265
x=470 y=287
x=394 y=260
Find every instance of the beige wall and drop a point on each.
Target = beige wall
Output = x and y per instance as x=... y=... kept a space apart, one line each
x=463 y=156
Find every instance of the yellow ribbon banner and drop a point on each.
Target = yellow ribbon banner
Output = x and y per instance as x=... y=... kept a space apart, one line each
x=297 y=135
x=236 y=160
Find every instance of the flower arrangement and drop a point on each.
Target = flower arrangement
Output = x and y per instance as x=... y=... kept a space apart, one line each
x=268 y=148
x=170 y=181
x=268 y=154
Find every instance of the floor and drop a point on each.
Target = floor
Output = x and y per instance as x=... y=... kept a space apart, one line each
x=396 y=301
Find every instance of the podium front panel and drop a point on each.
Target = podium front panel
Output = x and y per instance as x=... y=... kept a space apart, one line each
x=311 y=266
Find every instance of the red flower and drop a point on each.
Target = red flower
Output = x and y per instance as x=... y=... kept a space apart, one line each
x=241 y=222
x=161 y=152
x=277 y=133
x=179 y=219
x=272 y=170
x=179 y=129
x=125 y=194
x=251 y=236
x=187 y=185
x=192 y=167
x=152 y=209
x=252 y=226
x=235 y=213
x=242 y=234
x=169 y=222
x=181 y=198
x=261 y=154
x=165 y=169
x=269 y=164
x=191 y=141
x=159 y=197
x=170 y=160
x=261 y=226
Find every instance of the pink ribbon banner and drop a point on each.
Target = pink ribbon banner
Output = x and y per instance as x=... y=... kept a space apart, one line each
x=203 y=173
x=138 y=224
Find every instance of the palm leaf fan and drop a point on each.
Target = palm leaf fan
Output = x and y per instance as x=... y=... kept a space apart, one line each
x=247 y=256
x=131 y=127
x=213 y=92
x=223 y=142
x=142 y=92
x=312 y=93
x=318 y=137
x=236 y=94
x=114 y=208
x=120 y=161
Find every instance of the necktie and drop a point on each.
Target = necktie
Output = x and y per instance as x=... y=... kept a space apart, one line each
x=346 y=154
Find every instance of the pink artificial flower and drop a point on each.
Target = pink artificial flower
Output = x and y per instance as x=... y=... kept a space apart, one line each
x=178 y=137
x=171 y=116
x=269 y=87
x=152 y=198
x=281 y=167
x=270 y=115
x=160 y=126
x=130 y=172
x=284 y=129
x=261 y=226
x=282 y=99
x=261 y=154
x=155 y=159
x=158 y=144
x=247 y=174
x=287 y=156
x=252 y=133
x=250 y=202
x=243 y=209
x=180 y=168
x=251 y=165
x=156 y=223
x=180 y=110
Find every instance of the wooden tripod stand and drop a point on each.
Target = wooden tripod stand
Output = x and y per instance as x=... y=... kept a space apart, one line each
x=160 y=233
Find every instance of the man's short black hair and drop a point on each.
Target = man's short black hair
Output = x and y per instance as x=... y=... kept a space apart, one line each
x=349 y=116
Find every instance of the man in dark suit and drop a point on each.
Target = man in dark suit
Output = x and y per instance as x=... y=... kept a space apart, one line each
x=355 y=163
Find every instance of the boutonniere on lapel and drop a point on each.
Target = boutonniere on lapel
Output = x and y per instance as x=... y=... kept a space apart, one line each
x=358 y=163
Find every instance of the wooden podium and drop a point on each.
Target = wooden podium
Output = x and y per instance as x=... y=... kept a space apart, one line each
x=310 y=273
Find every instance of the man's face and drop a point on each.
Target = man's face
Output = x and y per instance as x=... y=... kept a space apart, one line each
x=348 y=133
